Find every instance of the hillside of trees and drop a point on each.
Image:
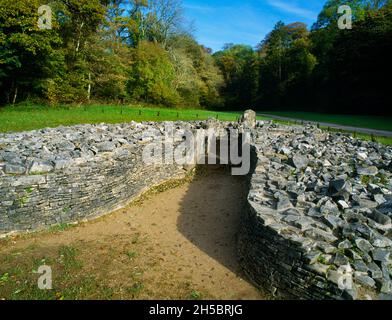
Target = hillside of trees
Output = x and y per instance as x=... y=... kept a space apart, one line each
x=143 y=51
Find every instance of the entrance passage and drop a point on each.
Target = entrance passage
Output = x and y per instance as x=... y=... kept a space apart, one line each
x=177 y=244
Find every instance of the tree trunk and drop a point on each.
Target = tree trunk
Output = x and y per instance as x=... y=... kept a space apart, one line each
x=89 y=87
x=79 y=38
x=15 y=95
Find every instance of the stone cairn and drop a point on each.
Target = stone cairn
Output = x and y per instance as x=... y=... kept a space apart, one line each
x=318 y=202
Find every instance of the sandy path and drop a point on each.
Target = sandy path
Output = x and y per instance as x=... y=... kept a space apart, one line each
x=183 y=239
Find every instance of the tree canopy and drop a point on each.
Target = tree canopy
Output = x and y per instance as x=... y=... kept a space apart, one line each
x=125 y=51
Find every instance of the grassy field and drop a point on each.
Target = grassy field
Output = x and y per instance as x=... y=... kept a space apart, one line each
x=24 y=118
x=371 y=122
x=31 y=117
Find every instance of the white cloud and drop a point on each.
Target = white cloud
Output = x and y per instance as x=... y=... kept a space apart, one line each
x=293 y=9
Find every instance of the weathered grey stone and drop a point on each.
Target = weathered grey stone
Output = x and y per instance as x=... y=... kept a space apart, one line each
x=374 y=189
x=330 y=208
x=319 y=268
x=62 y=164
x=292 y=212
x=314 y=212
x=365 y=281
x=364 y=245
x=346 y=244
x=10 y=168
x=343 y=204
x=340 y=260
x=28 y=181
x=365 y=203
x=12 y=158
x=320 y=235
x=249 y=119
x=374 y=270
x=386 y=208
x=283 y=204
x=303 y=223
x=41 y=167
x=382 y=255
x=312 y=257
x=285 y=150
x=367 y=171
x=339 y=187
x=65 y=145
x=386 y=268
x=353 y=254
x=300 y=161
x=381 y=242
x=332 y=221
x=362 y=156
x=379 y=198
x=290 y=219
x=360 y=266
x=334 y=276
x=386 y=286
x=107 y=146
x=379 y=217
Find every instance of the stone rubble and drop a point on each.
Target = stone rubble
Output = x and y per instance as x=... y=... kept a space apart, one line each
x=329 y=196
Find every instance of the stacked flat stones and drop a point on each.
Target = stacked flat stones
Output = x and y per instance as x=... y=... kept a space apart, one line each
x=69 y=174
x=318 y=202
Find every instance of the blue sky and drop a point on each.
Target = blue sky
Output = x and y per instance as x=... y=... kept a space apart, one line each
x=217 y=22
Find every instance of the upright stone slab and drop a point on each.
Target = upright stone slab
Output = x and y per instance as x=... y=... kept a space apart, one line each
x=249 y=119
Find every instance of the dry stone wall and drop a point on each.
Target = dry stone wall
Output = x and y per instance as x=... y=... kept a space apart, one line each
x=69 y=174
x=318 y=215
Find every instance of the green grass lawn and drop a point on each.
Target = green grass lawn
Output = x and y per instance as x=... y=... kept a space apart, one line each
x=28 y=117
x=370 y=122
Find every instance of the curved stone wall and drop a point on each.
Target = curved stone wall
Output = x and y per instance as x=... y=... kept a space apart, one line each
x=318 y=218
x=71 y=174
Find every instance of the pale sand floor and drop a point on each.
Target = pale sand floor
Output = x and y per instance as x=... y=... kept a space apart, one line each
x=174 y=243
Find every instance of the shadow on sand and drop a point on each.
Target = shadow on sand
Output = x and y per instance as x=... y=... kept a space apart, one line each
x=211 y=213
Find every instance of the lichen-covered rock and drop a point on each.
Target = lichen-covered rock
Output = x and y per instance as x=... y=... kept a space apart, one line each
x=249 y=119
x=41 y=167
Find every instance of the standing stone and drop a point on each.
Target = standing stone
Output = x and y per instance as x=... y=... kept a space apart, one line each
x=249 y=119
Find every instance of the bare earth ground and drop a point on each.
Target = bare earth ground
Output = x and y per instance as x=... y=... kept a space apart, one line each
x=178 y=244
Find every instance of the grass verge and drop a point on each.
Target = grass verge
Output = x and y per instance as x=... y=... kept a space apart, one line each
x=32 y=117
